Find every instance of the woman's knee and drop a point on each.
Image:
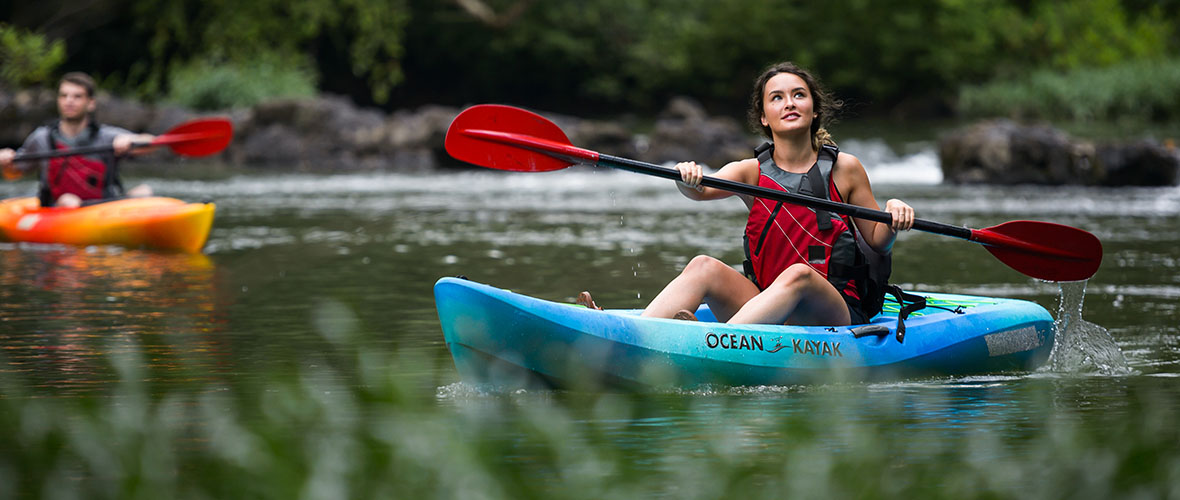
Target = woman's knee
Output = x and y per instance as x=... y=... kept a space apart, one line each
x=704 y=265
x=795 y=276
x=68 y=200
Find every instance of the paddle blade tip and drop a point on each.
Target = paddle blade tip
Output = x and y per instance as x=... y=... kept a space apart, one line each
x=200 y=137
x=1045 y=250
x=466 y=143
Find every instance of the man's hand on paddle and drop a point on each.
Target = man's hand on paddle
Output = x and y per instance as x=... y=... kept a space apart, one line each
x=123 y=143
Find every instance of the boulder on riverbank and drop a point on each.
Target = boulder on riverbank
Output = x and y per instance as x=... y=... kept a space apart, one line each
x=1004 y=152
x=323 y=134
x=684 y=131
x=23 y=111
x=331 y=134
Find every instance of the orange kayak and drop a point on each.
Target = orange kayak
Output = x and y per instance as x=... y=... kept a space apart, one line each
x=155 y=222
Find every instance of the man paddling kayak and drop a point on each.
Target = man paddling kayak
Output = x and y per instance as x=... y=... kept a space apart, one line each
x=72 y=180
x=806 y=266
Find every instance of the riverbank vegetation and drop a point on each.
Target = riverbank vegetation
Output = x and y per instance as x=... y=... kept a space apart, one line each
x=27 y=58
x=906 y=59
x=1144 y=89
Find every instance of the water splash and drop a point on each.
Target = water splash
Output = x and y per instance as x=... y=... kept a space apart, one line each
x=1082 y=346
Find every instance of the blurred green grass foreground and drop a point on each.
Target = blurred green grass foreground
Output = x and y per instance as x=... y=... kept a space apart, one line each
x=353 y=423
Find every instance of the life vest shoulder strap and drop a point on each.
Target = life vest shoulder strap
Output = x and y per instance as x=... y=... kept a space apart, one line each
x=825 y=162
x=814 y=183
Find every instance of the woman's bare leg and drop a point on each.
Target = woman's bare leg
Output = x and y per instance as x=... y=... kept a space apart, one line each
x=704 y=280
x=799 y=296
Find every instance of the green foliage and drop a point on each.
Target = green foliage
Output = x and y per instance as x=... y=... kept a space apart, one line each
x=189 y=32
x=638 y=53
x=607 y=55
x=1082 y=33
x=27 y=58
x=210 y=85
x=1136 y=90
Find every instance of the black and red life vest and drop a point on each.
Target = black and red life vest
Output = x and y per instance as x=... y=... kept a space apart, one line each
x=779 y=234
x=88 y=177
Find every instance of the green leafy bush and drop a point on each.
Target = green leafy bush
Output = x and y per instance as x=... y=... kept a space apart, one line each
x=639 y=53
x=611 y=55
x=209 y=85
x=27 y=58
x=1136 y=90
x=362 y=36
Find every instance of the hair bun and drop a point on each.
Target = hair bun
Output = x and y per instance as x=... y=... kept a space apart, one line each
x=822 y=137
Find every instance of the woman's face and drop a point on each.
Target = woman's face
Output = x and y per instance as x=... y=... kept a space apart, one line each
x=787 y=105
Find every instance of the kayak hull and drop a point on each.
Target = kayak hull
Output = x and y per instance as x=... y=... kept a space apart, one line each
x=503 y=339
x=152 y=222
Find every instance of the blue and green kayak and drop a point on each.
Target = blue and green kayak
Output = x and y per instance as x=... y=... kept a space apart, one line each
x=504 y=340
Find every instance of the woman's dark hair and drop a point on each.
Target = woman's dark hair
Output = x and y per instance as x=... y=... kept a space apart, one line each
x=826 y=106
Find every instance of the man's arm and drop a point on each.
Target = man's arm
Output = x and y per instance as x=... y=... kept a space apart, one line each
x=123 y=144
x=36 y=142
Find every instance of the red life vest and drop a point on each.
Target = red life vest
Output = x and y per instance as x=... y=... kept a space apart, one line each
x=779 y=234
x=88 y=177
x=82 y=176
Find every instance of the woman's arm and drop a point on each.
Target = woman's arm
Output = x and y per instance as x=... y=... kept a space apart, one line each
x=850 y=174
x=744 y=171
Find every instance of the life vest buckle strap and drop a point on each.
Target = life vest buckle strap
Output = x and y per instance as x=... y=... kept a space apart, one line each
x=909 y=303
x=762 y=238
x=764 y=151
x=814 y=185
x=838 y=270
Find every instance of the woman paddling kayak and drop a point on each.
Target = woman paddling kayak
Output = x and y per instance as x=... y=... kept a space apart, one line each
x=805 y=266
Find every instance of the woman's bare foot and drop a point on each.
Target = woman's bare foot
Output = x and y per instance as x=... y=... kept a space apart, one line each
x=585 y=300
x=685 y=315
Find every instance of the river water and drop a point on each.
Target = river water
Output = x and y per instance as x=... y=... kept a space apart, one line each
x=300 y=355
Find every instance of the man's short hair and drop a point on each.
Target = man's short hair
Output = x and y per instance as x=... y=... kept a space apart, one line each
x=79 y=78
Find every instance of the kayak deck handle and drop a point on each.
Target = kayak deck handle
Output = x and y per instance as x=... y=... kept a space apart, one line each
x=867 y=330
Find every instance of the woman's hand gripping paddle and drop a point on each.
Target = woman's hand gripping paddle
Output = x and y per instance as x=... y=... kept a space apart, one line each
x=508 y=138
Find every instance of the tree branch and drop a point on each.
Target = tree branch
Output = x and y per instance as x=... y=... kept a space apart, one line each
x=487 y=15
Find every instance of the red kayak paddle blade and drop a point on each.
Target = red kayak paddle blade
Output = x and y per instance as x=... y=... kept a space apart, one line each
x=509 y=138
x=198 y=137
x=1043 y=250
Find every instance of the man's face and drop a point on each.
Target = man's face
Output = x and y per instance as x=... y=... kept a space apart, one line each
x=73 y=103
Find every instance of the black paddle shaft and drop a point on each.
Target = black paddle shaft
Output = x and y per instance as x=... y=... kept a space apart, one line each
x=783 y=196
x=74 y=152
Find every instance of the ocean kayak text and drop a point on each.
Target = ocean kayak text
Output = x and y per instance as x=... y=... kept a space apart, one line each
x=754 y=343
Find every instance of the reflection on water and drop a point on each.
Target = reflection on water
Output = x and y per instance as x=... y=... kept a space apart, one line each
x=66 y=309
